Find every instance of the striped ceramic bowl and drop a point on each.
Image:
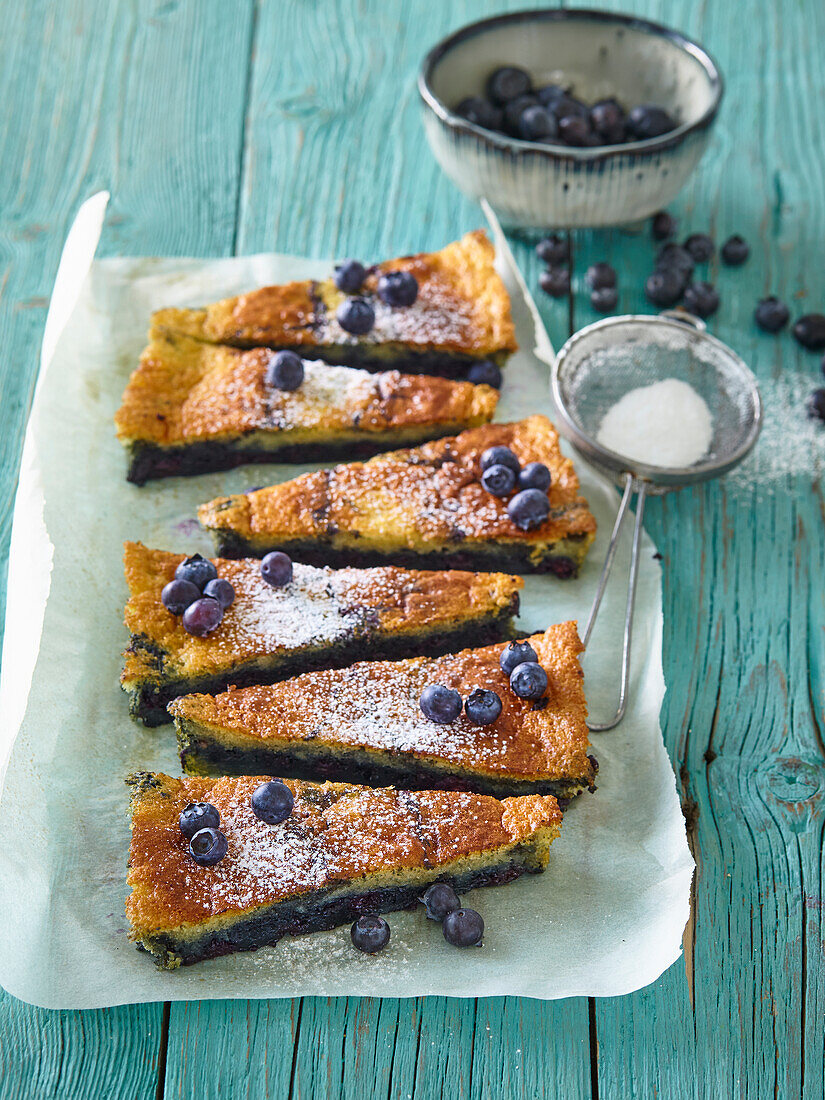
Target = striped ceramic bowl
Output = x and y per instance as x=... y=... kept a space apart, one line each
x=599 y=54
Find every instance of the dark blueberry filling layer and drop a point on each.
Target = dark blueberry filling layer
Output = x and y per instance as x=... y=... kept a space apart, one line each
x=148 y=701
x=316 y=913
x=204 y=755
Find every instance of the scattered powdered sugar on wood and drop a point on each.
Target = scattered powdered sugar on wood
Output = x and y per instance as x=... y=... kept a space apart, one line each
x=791 y=444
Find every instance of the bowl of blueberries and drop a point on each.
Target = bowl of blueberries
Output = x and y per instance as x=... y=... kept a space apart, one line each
x=569 y=118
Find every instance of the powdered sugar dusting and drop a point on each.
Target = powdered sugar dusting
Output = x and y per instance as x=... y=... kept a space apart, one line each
x=435 y=317
x=790 y=444
x=325 y=391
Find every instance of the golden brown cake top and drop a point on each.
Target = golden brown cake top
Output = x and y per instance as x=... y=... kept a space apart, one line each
x=318 y=605
x=186 y=390
x=375 y=705
x=420 y=495
x=462 y=306
x=336 y=833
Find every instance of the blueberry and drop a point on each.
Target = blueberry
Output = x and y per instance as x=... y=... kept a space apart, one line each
x=439 y=900
x=809 y=331
x=567 y=106
x=272 y=801
x=499 y=480
x=735 y=251
x=771 y=315
x=355 y=315
x=482 y=706
x=202 y=617
x=649 y=121
x=398 y=288
x=700 y=247
x=177 y=595
x=463 y=928
x=663 y=226
x=197 y=571
x=515 y=654
x=276 y=568
x=816 y=405
x=604 y=298
x=665 y=287
x=575 y=130
x=506 y=83
x=608 y=120
x=198 y=815
x=440 y=704
x=529 y=509
x=511 y=116
x=480 y=112
x=675 y=258
x=554 y=249
x=500 y=456
x=285 y=371
x=535 y=475
x=220 y=590
x=600 y=275
x=701 y=299
x=208 y=847
x=550 y=94
x=536 y=122
x=349 y=276
x=555 y=281
x=486 y=373
x=528 y=680
x=370 y=934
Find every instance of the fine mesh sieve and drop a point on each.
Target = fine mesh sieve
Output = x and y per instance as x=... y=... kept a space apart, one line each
x=603 y=362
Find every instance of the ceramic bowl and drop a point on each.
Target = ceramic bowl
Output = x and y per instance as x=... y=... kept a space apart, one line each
x=599 y=54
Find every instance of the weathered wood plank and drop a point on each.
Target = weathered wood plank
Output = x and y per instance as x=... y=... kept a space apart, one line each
x=147 y=100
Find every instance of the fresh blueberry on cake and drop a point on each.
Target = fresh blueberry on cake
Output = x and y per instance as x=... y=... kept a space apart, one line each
x=535 y=475
x=528 y=680
x=272 y=802
x=463 y=928
x=420 y=506
x=356 y=316
x=285 y=371
x=315 y=617
x=398 y=288
x=221 y=590
x=202 y=617
x=191 y=407
x=439 y=900
x=276 y=569
x=208 y=847
x=485 y=373
x=370 y=934
x=499 y=480
x=197 y=570
x=349 y=276
x=197 y=816
x=401 y=723
x=345 y=852
x=460 y=315
x=178 y=595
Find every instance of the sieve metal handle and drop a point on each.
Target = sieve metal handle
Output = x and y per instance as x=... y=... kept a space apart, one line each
x=631 y=486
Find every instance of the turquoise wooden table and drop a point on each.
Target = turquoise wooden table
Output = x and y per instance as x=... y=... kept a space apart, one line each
x=224 y=128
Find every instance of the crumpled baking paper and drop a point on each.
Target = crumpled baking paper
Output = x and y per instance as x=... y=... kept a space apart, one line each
x=606 y=918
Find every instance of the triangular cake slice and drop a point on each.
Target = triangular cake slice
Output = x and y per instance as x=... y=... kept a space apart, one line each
x=460 y=316
x=422 y=506
x=323 y=618
x=363 y=724
x=342 y=853
x=191 y=407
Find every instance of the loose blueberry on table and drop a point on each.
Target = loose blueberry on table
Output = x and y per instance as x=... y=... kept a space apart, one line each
x=700 y=246
x=701 y=299
x=370 y=934
x=555 y=281
x=554 y=249
x=735 y=251
x=600 y=275
x=272 y=801
x=276 y=568
x=815 y=405
x=482 y=706
x=208 y=847
x=604 y=298
x=809 y=331
x=196 y=816
x=349 y=276
x=440 y=704
x=356 y=316
x=439 y=900
x=771 y=314
x=673 y=257
x=463 y=928
x=663 y=226
x=664 y=287
x=285 y=371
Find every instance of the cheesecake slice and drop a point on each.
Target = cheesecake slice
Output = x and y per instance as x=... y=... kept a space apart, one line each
x=460 y=316
x=422 y=506
x=323 y=618
x=345 y=851
x=192 y=407
x=363 y=724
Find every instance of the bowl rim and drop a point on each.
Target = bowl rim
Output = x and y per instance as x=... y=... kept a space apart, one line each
x=555 y=152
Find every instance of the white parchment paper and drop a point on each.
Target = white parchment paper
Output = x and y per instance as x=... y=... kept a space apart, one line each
x=606 y=918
